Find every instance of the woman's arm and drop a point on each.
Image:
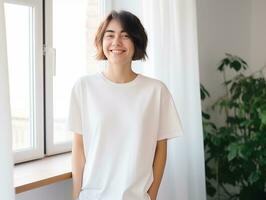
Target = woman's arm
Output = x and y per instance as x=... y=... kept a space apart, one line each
x=78 y=162
x=158 y=168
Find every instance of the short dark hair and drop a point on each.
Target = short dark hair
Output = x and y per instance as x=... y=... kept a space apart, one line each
x=132 y=25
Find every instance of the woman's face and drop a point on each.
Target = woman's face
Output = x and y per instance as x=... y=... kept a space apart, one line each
x=117 y=45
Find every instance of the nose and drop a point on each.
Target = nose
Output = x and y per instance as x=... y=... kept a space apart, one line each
x=116 y=41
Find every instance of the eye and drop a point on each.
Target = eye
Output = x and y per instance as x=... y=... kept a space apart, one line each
x=109 y=36
x=125 y=36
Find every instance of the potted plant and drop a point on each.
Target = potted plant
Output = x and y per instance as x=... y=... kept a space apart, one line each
x=236 y=152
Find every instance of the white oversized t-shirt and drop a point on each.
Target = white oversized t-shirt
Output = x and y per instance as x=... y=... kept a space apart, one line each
x=121 y=124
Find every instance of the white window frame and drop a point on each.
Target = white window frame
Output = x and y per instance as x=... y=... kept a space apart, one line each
x=51 y=148
x=43 y=143
x=37 y=151
x=50 y=68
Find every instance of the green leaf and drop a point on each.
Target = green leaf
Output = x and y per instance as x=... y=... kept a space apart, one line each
x=262 y=115
x=253 y=177
x=224 y=62
x=236 y=65
x=244 y=62
x=221 y=66
x=244 y=152
x=205 y=115
x=210 y=189
x=227 y=82
x=203 y=92
x=233 y=151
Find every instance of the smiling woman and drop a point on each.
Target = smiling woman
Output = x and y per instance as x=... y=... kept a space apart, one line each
x=121 y=120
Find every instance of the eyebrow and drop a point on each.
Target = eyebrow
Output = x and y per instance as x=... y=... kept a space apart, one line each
x=112 y=31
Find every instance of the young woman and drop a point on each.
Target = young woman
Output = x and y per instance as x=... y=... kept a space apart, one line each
x=121 y=120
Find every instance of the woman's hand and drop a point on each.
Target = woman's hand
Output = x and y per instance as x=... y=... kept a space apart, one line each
x=158 y=168
x=78 y=163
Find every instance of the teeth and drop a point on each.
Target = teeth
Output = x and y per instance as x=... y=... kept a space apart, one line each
x=117 y=51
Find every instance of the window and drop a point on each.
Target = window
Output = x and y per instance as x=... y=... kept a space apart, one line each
x=70 y=29
x=24 y=47
x=45 y=59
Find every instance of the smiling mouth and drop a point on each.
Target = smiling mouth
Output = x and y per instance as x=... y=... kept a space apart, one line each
x=117 y=51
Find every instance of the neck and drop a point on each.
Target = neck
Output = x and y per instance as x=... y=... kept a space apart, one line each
x=119 y=73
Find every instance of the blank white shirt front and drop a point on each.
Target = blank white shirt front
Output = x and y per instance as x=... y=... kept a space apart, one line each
x=121 y=124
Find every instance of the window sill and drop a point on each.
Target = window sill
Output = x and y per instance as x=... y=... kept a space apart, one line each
x=38 y=173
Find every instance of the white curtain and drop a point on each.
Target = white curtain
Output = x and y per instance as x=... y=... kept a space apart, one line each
x=6 y=161
x=173 y=57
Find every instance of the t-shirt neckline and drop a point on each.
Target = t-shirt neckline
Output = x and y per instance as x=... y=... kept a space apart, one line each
x=130 y=83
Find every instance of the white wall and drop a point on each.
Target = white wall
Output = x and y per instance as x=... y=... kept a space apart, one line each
x=223 y=26
x=258 y=33
x=57 y=191
x=236 y=27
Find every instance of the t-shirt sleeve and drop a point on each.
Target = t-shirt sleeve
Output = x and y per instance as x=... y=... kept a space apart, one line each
x=169 y=120
x=74 y=121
